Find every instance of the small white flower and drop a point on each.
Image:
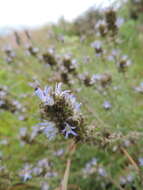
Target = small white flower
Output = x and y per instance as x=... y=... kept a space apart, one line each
x=69 y=130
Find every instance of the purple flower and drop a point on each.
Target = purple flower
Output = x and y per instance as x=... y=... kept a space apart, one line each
x=69 y=130
x=140 y=161
x=71 y=99
x=45 y=95
x=102 y=172
x=49 y=130
x=58 y=90
x=107 y=105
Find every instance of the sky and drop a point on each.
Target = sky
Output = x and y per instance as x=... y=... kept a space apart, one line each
x=30 y=13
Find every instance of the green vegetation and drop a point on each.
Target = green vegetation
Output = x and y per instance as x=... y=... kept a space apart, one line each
x=112 y=107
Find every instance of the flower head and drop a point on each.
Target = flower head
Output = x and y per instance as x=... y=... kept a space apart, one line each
x=61 y=109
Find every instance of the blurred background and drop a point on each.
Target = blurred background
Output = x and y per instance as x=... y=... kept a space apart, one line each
x=17 y=14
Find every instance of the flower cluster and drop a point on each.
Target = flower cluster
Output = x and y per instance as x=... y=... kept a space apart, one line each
x=101 y=27
x=61 y=108
x=86 y=79
x=89 y=167
x=67 y=69
x=70 y=64
x=7 y=103
x=46 y=128
x=43 y=168
x=97 y=45
x=103 y=80
x=111 y=19
x=110 y=24
x=10 y=54
x=49 y=57
x=123 y=63
x=64 y=67
x=30 y=50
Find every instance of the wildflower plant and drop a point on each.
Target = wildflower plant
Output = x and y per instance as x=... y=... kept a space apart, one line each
x=62 y=109
x=10 y=54
x=111 y=18
x=49 y=57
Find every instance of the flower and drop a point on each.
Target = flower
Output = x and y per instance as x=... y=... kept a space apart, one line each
x=97 y=45
x=45 y=95
x=123 y=63
x=68 y=130
x=139 y=88
x=25 y=173
x=35 y=132
x=107 y=105
x=59 y=152
x=58 y=90
x=49 y=130
x=140 y=161
x=26 y=176
x=95 y=78
x=72 y=100
x=102 y=172
x=63 y=116
x=23 y=132
x=119 y=22
x=90 y=167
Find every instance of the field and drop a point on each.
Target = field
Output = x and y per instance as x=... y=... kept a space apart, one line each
x=105 y=75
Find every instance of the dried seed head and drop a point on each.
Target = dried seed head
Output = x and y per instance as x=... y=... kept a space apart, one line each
x=49 y=57
x=97 y=45
x=111 y=18
x=123 y=64
x=101 y=26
